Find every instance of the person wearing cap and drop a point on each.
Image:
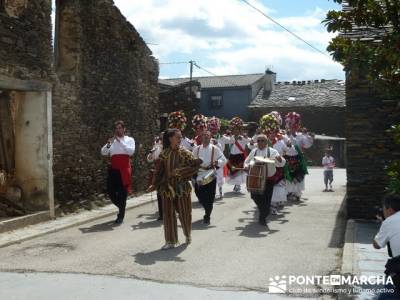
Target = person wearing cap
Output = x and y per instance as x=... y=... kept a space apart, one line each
x=263 y=201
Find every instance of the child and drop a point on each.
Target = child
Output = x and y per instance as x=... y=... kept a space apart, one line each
x=328 y=162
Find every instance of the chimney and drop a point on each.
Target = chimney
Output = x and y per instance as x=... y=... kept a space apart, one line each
x=269 y=82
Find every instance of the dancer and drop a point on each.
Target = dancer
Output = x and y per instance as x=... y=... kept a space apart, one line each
x=119 y=181
x=177 y=166
x=178 y=120
x=263 y=201
x=206 y=180
x=199 y=123
x=237 y=155
x=297 y=167
x=214 y=125
x=153 y=157
x=270 y=125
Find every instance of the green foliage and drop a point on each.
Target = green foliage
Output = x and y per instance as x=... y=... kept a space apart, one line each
x=224 y=124
x=374 y=56
x=368 y=47
x=393 y=170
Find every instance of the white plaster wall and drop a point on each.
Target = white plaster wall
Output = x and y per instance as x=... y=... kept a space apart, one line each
x=32 y=157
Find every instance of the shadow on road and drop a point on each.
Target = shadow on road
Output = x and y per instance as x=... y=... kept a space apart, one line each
x=234 y=195
x=150 y=258
x=252 y=229
x=198 y=225
x=146 y=225
x=106 y=226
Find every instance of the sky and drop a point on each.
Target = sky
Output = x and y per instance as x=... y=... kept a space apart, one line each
x=227 y=37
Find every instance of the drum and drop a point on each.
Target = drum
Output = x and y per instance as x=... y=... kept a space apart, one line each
x=205 y=177
x=257 y=178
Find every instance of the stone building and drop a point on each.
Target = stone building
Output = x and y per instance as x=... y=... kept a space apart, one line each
x=26 y=180
x=370 y=147
x=105 y=72
x=225 y=96
x=58 y=104
x=321 y=103
x=178 y=96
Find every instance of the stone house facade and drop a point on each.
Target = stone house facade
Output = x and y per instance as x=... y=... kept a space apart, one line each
x=105 y=72
x=225 y=96
x=26 y=179
x=370 y=148
x=99 y=70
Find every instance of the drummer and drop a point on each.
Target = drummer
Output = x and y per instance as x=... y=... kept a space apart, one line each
x=213 y=159
x=263 y=201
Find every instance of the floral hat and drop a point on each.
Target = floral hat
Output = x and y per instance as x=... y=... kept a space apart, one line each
x=177 y=119
x=213 y=124
x=293 y=120
x=269 y=123
x=236 y=122
x=199 y=121
x=277 y=116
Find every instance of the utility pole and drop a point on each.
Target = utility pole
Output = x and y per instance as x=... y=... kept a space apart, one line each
x=190 y=80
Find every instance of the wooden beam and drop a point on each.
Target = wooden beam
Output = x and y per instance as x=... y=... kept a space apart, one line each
x=8 y=83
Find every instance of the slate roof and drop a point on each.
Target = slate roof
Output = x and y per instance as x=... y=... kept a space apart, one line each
x=217 y=81
x=321 y=94
x=364 y=33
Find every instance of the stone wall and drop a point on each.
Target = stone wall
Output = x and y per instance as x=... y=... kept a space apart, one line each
x=321 y=120
x=369 y=146
x=105 y=72
x=177 y=98
x=25 y=73
x=25 y=39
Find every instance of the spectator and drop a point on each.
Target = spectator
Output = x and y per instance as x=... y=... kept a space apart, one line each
x=328 y=162
x=389 y=234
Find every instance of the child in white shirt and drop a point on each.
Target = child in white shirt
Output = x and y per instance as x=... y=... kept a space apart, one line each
x=328 y=162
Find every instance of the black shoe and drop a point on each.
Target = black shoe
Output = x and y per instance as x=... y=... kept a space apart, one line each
x=119 y=221
x=206 y=220
x=262 y=221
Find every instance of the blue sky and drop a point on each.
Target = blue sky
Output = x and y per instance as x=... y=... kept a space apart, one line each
x=228 y=37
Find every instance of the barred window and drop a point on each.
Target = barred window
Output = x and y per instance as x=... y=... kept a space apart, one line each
x=216 y=101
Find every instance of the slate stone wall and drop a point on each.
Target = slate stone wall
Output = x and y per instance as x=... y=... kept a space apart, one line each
x=369 y=146
x=25 y=39
x=321 y=120
x=105 y=72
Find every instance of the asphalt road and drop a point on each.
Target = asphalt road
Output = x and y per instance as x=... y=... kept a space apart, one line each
x=233 y=253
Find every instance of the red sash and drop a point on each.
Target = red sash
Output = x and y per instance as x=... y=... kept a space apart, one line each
x=241 y=149
x=227 y=168
x=197 y=140
x=121 y=162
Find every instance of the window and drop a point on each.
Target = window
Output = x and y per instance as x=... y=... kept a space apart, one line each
x=216 y=101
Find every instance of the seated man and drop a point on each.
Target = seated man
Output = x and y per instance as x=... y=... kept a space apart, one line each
x=389 y=233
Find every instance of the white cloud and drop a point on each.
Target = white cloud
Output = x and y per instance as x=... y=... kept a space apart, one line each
x=228 y=37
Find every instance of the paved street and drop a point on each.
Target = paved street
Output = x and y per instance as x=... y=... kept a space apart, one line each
x=233 y=253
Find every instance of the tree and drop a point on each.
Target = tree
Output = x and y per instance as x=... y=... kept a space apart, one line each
x=368 y=45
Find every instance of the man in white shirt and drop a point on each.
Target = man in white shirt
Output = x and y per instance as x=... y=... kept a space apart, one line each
x=237 y=142
x=212 y=158
x=263 y=201
x=328 y=162
x=119 y=181
x=153 y=157
x=390 y=227
x=389 y=233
